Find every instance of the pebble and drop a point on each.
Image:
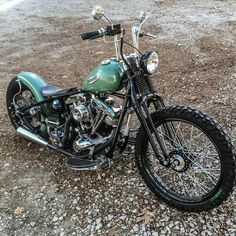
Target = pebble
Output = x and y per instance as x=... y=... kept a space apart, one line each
x=55 y=219
x=32 y=224
x=99 y=226
x=155 y=233
x=98 y=220
x=135 y=228
x=110 y=217
x=75 y=201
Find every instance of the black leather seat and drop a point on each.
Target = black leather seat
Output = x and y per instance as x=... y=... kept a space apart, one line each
x=54 y=91
x=50 y=90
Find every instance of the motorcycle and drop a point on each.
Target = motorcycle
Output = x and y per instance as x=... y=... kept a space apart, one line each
x=183 y=155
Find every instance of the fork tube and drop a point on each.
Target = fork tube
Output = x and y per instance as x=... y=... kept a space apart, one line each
x=117 y=47
x=134 y=37
x=169 y=128
x=146 y=126
x=159 y=140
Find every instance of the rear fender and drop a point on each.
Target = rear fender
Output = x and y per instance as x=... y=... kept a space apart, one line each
x=35 y=83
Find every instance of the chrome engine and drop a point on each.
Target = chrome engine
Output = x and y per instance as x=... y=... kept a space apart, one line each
x=96 y=120
x=55 y=130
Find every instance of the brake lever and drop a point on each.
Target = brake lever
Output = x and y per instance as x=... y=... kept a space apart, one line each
x=150 y=35
x=141 y=34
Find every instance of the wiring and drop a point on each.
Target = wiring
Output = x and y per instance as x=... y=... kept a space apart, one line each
x=132 y=47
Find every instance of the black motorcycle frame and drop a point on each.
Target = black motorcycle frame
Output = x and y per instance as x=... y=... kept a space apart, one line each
x=132 y=100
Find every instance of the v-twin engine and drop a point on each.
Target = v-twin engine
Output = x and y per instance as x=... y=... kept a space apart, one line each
x=95 y=119
x=87 y=144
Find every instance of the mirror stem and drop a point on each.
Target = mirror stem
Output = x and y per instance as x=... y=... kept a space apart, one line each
x=108 y=19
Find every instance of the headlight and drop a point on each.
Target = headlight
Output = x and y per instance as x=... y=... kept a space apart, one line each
x=149 y=62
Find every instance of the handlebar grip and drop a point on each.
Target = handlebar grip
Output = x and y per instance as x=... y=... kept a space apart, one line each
x=93 y=34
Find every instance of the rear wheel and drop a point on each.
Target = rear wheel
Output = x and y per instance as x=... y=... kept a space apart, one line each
x=201 y=172
x=19 y=96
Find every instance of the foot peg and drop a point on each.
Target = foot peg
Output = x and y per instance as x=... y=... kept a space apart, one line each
x=84 y=164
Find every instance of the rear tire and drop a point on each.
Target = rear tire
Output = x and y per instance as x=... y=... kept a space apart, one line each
x=13 y=88
x=220 y=141
x=19 y=95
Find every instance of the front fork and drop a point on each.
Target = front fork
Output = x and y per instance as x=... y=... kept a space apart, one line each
x=147 y=122
x=141 y=109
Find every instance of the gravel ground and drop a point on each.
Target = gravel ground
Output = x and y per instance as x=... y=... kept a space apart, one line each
x=39 y=195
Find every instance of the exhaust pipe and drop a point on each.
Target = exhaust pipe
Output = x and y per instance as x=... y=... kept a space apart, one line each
x=36 y=139
x=30 y=136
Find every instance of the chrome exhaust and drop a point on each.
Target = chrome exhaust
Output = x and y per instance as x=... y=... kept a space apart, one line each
x=30 y=136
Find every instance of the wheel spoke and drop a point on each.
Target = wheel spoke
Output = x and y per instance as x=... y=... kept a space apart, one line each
x=197 y=154
x=202 y=186
x=185 y=190
x=191 y=136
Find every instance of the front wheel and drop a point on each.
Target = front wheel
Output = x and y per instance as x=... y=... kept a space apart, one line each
x=201 y=170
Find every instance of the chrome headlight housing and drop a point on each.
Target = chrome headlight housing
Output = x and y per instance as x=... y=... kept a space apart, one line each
x=149 y=62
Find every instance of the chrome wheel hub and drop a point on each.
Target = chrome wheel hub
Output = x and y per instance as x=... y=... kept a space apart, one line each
x=179 y=161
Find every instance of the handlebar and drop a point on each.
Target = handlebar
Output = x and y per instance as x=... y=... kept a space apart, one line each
x=109 y=30
x=93 y=34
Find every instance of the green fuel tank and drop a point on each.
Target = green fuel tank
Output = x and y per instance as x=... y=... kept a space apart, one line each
x=105 y=78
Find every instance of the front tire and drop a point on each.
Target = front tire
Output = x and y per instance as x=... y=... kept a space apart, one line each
x=209 y=156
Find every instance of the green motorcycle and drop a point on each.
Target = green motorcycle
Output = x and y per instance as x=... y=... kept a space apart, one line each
x=183 y=155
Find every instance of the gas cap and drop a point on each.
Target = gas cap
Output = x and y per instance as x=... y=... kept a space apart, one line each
x=106 y=62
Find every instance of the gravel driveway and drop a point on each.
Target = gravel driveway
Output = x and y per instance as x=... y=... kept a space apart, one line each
x=39 y=195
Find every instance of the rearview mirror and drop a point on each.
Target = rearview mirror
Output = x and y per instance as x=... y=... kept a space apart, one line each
x=142 y=16
x=97 y=12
